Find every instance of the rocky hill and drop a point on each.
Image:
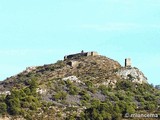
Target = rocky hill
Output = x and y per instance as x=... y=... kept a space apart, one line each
x=68 y=88
x=97 y=69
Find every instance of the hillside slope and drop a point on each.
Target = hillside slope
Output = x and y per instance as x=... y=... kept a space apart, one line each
x=76 y=87
x=95 y=68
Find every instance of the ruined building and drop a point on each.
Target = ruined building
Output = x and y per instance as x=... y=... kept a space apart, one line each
x=73 y=63
x=128 y=62
x=92 y=53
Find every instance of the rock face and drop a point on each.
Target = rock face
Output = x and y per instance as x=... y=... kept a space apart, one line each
x=133 y=74
x=72 y=79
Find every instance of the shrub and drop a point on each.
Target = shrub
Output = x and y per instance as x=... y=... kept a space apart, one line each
x=104 y=89
x=73 y=90
x=3 y=108
x=61 y=95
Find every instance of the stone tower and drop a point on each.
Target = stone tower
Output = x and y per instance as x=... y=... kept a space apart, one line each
x=128 y=62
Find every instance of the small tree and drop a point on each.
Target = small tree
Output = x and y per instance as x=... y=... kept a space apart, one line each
x=33 y=85
x=61 y=95
x=14 y=106
x=130 y=110
x=3 y=108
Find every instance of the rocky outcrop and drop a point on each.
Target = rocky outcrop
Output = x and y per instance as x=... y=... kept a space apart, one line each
x=72 y=79
x=133 y=74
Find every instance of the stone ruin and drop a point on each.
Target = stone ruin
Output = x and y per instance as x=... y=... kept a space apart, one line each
x=92 y=53
x=73 y=63
x=29 y=69
x=128 y=62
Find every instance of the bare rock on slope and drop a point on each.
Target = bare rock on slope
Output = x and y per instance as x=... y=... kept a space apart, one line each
x=133 y=74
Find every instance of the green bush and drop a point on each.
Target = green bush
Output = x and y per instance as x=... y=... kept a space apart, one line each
x=126 y=85
x=104 y=89
x=130 y=110
x=61 y=95
x=22 y=98
x=150 y=106
x=73 y=90
x=88 y=83
x=3 y=107
x=86 y=97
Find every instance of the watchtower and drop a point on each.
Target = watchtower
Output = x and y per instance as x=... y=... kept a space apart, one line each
x=128 y=62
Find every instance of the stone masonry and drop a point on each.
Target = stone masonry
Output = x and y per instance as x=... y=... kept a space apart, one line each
x=128 y=62
x=92 y=53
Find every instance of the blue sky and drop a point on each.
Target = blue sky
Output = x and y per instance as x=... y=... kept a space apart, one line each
x=37 y=32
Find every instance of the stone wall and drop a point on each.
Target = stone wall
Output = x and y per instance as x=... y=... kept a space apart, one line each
x=92 y=53
x=73 y=63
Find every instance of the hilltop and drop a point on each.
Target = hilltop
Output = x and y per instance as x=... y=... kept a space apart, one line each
x=71 y=87
x=96 y=68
